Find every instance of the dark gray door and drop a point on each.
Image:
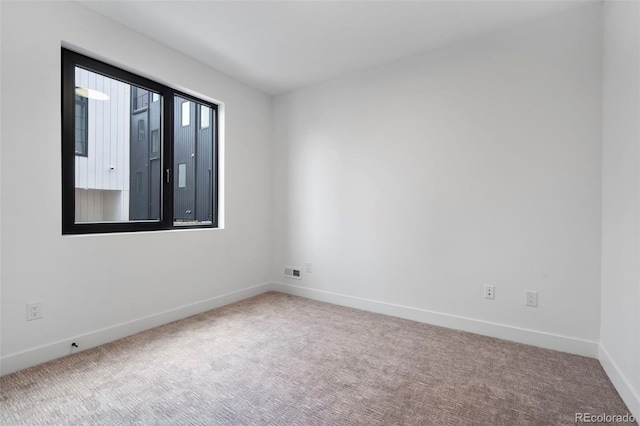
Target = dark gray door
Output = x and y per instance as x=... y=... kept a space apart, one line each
x=204 y=163
x=194 y=130
x=184 y=167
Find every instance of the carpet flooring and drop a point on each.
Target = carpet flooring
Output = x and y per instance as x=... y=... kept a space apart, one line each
x=277 y=359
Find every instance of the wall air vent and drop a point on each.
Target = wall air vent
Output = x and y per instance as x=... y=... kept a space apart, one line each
x=293 y=272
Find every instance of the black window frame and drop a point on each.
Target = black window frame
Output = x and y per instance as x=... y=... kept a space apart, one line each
x=71 y=60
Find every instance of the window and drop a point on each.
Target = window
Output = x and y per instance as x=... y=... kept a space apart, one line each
x=186 y=113
x=81 y=124
x=146 y=169
x=142 y=130
x=155 y=142
x=182 y=175
x=140 y=98
x=205 y=116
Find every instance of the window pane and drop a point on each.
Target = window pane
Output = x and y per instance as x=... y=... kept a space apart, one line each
x=142 y=130
x=182 y=175
x=205 y=116
x=81 y=118
x=186 y=113
x=155 y=141
x=139 y=98
x=125 y=166
x=115 y=180
x=193 y=162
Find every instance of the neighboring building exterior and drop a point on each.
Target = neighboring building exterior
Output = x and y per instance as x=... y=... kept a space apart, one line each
x=102 y=167
x=118 y=163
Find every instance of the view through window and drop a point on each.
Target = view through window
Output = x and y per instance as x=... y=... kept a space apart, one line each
x=141 y=155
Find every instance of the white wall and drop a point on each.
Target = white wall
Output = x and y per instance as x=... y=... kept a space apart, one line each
x=620 y=332
x=100 y=287
x=408 y=187
x=411 y=186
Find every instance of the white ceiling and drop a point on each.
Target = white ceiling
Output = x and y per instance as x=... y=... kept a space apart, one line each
x=279 y=46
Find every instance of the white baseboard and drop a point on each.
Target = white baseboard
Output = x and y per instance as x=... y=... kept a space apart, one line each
x=515 y=334
x=21 y=360
x=629 y=395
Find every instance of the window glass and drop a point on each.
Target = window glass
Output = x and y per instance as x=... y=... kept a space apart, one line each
x=192 y=150
x=155 y=141
x=105 y=176
x=182 y=175
x=205 y=116
x=125 y=166
x=142 y=130
x=186 y=113
x=81 y=124
x=140 y=98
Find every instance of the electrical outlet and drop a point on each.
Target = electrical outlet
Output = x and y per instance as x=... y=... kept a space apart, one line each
x=34 y=311
x=489 y=292
x=531 y=298
x=307 y=267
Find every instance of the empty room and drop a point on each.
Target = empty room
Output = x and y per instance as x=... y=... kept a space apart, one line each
x=319 y=212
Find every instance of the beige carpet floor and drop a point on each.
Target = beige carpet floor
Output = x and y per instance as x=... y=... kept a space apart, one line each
x=277 y=359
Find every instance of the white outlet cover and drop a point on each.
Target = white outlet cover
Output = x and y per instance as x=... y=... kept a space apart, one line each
x=489 y=292
x=531 y=298
x=34 y=311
